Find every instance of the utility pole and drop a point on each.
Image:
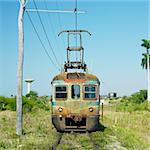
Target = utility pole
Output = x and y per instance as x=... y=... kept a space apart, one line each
x=20 y=68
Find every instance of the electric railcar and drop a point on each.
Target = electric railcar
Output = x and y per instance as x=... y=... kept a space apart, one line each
x=75 y=102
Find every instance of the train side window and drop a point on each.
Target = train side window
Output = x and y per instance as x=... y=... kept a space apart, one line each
x=61 y=92
x=90 y=92
x=75 y=91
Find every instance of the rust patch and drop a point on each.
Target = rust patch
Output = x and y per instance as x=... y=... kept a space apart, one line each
x=71 y=112
x=81 y=76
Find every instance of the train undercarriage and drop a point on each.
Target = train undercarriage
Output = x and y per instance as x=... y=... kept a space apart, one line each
x=76 y=123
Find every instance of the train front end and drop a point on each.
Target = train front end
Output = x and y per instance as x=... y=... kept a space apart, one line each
x=75 y=102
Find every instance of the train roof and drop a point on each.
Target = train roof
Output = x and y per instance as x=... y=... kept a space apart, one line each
x=75 y=75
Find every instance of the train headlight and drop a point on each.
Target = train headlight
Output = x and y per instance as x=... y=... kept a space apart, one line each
x=60 y=117
x=60 y=109
x=91 y=109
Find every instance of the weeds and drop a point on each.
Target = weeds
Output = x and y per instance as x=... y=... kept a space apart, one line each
x=136 y=102
x=132 y=129
x=37 y=132
x=124 y=129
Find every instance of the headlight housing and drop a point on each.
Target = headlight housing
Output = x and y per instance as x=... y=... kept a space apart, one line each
x=91 y=109
x=60 y=109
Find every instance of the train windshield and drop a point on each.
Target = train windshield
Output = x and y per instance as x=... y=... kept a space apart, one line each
x=61 y=92
x=75 y=91
x=90 y=92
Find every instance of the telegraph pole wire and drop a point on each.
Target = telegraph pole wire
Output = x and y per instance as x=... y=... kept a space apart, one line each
x=76 y=17
x=53 y=31
x=59 y=20
x=46 y=34
x=76 y=25
x=41 y=41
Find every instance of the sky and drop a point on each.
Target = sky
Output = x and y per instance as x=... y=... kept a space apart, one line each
x=113 y=52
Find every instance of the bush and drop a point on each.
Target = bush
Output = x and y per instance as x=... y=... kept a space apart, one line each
x=32 y=95
x=32 y=104
x=11 y=104
x=139 y=97
x=28 y=104
x=2 y=104
x=137 y=101
x=7 y=103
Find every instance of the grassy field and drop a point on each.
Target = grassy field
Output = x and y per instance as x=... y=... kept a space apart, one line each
x=131 y=128
x=123 y=130
x=37 y=131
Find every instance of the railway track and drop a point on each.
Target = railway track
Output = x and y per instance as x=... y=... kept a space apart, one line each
x=87 y=134
x=60 y=135
x=92 y=140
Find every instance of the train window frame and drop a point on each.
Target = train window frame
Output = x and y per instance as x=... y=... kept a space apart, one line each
x=96 y=90
x=79 y=92
x=61 y=92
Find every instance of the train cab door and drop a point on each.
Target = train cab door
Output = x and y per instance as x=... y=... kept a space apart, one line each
x=75 y=97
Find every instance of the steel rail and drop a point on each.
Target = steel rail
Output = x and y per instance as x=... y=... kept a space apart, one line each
x=60 y=135
x=95 y=146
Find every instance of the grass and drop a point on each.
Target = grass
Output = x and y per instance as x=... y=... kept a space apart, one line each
x=131 y=128
x=124 y=130
x=37 y=132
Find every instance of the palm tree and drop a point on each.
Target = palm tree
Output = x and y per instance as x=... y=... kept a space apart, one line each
x=146 y=44
x=146 y=63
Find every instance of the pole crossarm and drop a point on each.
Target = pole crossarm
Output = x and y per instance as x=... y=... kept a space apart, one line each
x=56 y=11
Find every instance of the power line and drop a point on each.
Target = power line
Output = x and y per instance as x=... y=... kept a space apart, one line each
x=76 y=25
x=46 y=34
x=59 y=20
x=41 y=41
x=76 y=17
x=52 y=27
